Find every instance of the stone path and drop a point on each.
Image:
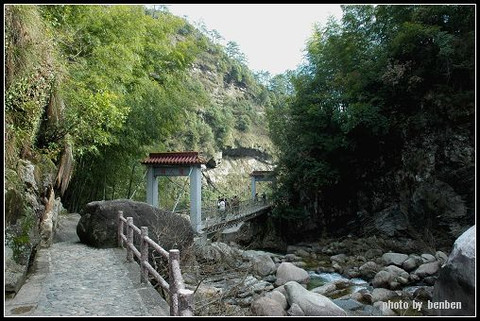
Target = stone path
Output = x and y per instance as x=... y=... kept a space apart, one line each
x=72 y=279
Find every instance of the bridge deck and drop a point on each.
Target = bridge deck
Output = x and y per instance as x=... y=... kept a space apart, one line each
x=213 y=219
x=210 y=226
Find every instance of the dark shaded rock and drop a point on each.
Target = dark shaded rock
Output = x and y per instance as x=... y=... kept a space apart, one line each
x=247 y=152
x=212 y=163
x=97 y=226
x=456 y=282
x=438 y=202
x=391 y=221
x=427 y=269
x=15 y=274
x=394 y=258
x=348 y=304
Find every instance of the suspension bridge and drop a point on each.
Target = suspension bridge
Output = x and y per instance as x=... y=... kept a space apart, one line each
x=203 y=219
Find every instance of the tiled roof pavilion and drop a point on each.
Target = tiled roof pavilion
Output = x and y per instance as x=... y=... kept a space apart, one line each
x=174 y=158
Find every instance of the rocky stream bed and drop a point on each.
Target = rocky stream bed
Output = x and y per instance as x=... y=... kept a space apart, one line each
x=349 y=277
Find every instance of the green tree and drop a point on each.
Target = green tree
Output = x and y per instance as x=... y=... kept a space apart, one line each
x=373 y=82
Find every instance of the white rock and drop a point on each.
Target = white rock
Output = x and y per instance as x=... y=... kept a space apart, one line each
x=311 y=303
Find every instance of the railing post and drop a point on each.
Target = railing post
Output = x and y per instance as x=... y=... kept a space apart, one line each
x=186 y=304
x=144 y=255
x=174 y=282
x=120 y=228
x=129 y=239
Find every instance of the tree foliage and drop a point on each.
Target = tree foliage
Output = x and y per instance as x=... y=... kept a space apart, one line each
x=374 y=81
x=97 y=87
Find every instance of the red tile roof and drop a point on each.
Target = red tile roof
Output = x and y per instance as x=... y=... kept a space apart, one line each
x=174 y=158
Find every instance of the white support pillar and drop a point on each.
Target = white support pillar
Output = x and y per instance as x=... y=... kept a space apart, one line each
x=152 y=187
x=155 y=192
x=150 y=180
x=254 y=187
x=196 y=198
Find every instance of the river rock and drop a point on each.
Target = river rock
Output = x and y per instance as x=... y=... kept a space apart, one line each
x=295 y=311
x=263 y=265
x=288 y=272
x=281 y=289
x=427 y=258
x=456 y=282
x=279 y=297
x=427 y=269
x=410 y=264
x=368 y=270
x=339 y=258
x=390 y=277
x=382 y=294
x=217 y=252
x=348 y=304
x=362 y=296
x=324 y=289
x=252 y=285
x=430 y=280
x=384 y=309
x=311 y=303
x=292 y=258
x=265 y=306
x=98 y=224
x=302 y=253
x=441 y=257
x=394 y=258
x=373 y=253
x=423 y=293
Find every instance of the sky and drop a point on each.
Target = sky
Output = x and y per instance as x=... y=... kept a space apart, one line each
x=272 y=36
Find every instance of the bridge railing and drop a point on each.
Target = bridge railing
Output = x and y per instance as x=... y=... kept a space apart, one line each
x=212 y=215
x=181 y=299
x=233 y=211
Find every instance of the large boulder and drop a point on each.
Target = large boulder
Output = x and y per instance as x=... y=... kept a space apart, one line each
x=97 y=226
x=394 y=258
x=279 y=297
x=288 y=272
x=391 y=277
x=368 y=270
x=456 y=282
x=263 y=265
x=267 y=307
x=427 y=269
x=311 y=303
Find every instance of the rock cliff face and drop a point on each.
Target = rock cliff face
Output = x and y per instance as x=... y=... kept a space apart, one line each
x=31 y=216
x=430 y=190
x=231 y=172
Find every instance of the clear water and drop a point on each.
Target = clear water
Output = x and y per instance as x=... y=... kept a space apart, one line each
x=319 y=279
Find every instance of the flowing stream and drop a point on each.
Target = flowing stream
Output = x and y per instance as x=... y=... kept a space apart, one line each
x=353 y=285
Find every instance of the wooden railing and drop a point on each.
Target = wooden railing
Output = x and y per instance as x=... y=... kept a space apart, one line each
x=181 y=299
